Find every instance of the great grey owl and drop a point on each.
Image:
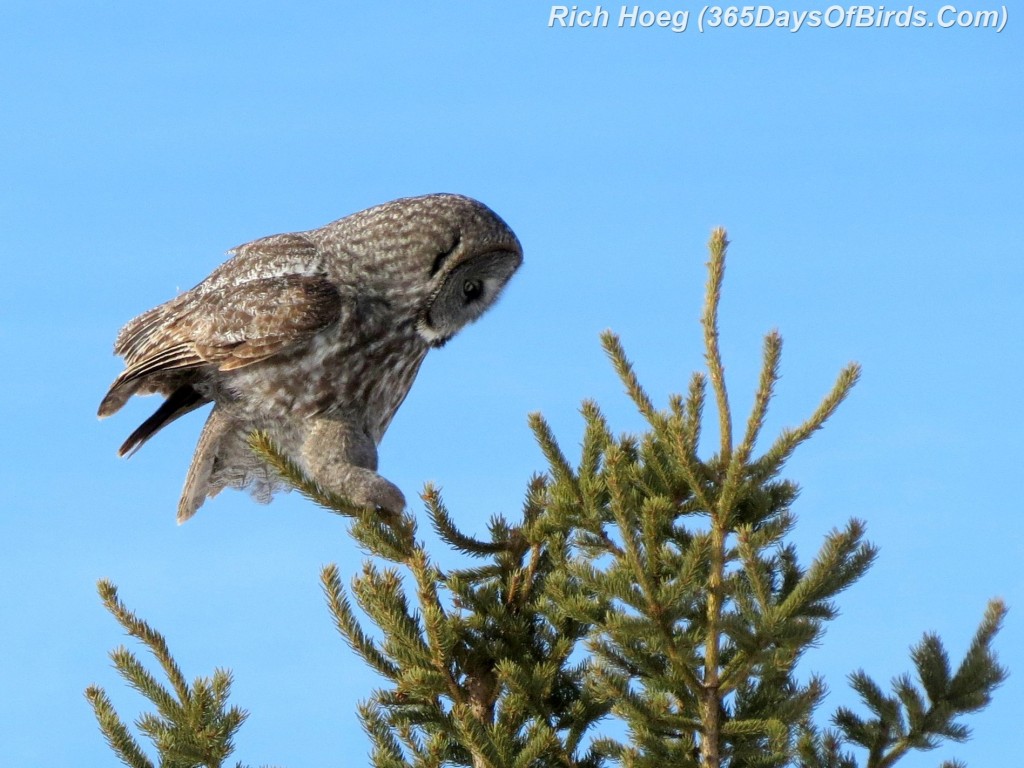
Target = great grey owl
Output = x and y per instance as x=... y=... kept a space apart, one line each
x=315 y=337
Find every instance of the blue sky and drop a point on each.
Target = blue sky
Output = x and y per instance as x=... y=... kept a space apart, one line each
x=871 y=183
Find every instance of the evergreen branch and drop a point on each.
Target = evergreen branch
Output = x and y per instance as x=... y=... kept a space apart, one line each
x=724 y=509
x=348 y=626
x=843 y=559
x=536 y=522
x=904 y=722
x=387 y=752
x=654 y=510
x=380 y=595
x=737 y=463
x=762 y=533
x=139 y=678
x=885 y=708
x=460 y=582
x=140 y=630
x=654 y=462
x=540 y=740
x=979 y=673
x=449 y=532
x=636 y=557
x=115 y=731
x=685 y=442
x=693 y=415
x=640 y=708
x=477 y=738
x=620 y=504
x=759 y=740
x=596 y=438
x=788 y=441
x=717 y=247
x=523 y=580
x=624 y=368
x=763 y=396
x=932 y=663
x=392 y=537
x=750 y=727
x=754 y=569
x=607 y=747
x=560 y=468
x=440 y=639
x=195 y=730
x=916 y=709
x=821 y=750
x=411 y=738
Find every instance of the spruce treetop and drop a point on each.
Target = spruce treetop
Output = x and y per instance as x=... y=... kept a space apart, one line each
x=645 y=609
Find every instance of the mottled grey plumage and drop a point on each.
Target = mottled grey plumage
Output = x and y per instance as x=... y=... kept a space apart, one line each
x=315 y=337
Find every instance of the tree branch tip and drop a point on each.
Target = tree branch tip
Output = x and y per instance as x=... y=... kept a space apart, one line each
x=997 y=608
x=858 y=525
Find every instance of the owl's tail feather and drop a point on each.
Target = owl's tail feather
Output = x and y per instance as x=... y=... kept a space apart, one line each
x=200 y=473
x=116 y=397
x=224 y=459
x=181 y=401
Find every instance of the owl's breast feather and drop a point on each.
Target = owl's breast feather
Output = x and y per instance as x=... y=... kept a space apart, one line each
x=362 y=383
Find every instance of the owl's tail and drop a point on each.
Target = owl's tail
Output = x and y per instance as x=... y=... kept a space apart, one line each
x=181 y=401
x=223 y=459
x=200 y=472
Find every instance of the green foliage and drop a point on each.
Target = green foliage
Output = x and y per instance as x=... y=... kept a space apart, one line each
x=919 y=717
x=192 y=726
x=480 y=672
x=649 y=584
x=708 y=608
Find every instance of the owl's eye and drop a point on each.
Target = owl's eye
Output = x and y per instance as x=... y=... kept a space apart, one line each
x=472 y=290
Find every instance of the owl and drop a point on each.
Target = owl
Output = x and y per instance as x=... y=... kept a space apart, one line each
x=316 y=338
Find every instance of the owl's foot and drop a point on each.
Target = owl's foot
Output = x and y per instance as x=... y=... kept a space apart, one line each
x=362 y=487
x=343 y=460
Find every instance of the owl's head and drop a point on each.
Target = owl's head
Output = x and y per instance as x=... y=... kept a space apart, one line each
x=468 y=257
x=439 y=261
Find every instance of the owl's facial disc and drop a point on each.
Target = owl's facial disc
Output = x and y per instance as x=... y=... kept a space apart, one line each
x=465 y=293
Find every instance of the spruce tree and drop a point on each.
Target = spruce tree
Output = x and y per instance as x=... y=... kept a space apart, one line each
x=645 y=585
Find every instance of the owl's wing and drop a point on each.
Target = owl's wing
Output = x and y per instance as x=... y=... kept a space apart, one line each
x=229 y=327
